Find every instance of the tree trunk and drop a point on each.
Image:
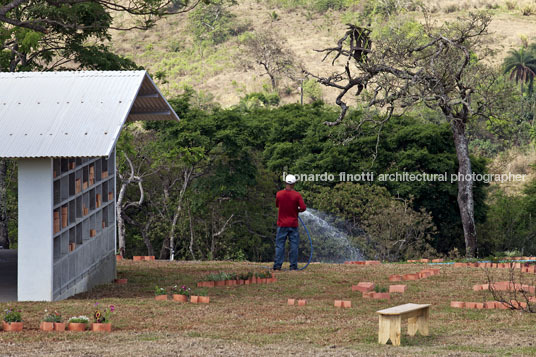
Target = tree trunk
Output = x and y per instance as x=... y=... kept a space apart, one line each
x=145 y=236
x=191 y=234
x=465 y=187
x=4 y=237
x=120 y=221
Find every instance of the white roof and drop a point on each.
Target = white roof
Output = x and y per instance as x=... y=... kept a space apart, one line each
x=73 y=114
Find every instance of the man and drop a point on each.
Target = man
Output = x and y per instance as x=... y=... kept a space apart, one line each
x=289 y=203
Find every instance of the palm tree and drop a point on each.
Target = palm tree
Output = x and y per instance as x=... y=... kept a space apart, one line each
x=521 y=64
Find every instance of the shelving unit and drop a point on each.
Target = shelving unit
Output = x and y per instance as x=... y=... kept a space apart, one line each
x=83 y=217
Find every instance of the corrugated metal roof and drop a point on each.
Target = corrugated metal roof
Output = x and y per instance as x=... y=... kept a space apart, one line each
x=73 y=114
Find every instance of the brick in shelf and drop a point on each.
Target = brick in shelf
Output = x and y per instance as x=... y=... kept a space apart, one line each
x=56 y=222
x=64 y=216
x=92 y=232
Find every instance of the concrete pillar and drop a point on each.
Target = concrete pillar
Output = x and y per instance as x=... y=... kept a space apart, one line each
x=35 y=233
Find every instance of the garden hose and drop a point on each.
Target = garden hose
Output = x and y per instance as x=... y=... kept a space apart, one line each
x=310 y=242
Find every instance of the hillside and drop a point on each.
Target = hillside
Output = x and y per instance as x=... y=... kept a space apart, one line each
x=219 y=73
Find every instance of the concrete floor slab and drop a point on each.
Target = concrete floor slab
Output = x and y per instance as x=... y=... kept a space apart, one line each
x=8 y=275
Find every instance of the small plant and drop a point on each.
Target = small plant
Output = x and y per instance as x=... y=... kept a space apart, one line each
x=250 y=275
x=12 y=316
x=201 y=292
x=451 y=8
x=183 y=290
x=159 y=291
x=511 y=5
x=380 y=289
x=102 y=315
x=79 y=320
x=233 y=276
x=212 y=277
x=52 y=317
x=243 y=276
x=528 y=10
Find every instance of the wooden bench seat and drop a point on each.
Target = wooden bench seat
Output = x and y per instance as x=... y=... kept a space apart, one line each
x=390 y=324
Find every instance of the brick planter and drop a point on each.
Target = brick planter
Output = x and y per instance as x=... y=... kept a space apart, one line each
x=381 y=296
x=397 y=289
x=410 y=277
x=363 y=287
x=490 y=305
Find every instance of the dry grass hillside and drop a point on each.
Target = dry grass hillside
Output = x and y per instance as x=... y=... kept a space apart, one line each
x=218 y=72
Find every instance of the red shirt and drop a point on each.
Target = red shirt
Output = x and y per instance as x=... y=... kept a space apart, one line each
x=289 y=203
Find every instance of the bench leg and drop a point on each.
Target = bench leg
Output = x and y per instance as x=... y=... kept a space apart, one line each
x=395 y=329
x=422 y=322
x=412 y=326
x=383 y=329
x=389 y=328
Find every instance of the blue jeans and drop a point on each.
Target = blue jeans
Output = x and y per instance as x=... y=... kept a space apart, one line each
x=281 y=237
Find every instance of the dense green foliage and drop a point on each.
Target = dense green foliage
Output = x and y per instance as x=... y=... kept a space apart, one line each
x=237 y=158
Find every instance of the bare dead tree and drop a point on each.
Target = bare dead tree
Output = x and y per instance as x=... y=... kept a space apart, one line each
x=440 y=67
x=517 y=294
x=133 y=177
x=267 y=50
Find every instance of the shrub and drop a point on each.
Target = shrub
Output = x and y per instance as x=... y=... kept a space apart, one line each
x=511 y=5
x=528 y=10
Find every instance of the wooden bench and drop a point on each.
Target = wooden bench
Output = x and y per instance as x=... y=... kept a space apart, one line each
x=391 y=322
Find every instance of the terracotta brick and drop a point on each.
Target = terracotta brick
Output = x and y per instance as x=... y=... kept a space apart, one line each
x=479 y=305
x=501 y=306
x=346 y=304
x=425 y=260
x=397 y=288
x=372 y=262
x=395 y=278
x=302 y=302
x=477 y=287
x=410 y=277
x=291 y=301
x=457 y=304
x=381 y=296
x=489 y=305
x=363 y=287
x=437 y=260
x=470 y=305
x=368 y=295
x=337 y=303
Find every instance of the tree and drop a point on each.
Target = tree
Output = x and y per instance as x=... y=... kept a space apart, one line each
x=521 y=64
x=401 y=63
x=268 y=51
